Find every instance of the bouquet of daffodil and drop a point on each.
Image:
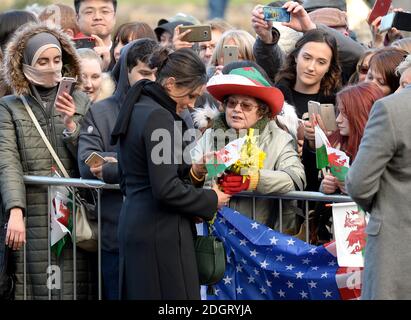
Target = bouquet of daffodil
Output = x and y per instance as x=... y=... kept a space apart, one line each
x=244 y=173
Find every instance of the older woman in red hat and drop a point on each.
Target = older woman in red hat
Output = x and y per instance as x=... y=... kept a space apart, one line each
x=249 y=101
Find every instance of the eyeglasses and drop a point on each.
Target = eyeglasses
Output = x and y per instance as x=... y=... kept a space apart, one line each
x=204 y=47
x=245 y=106
x=363 y=69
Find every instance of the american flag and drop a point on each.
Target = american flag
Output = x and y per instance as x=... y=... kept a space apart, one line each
x=263 y=264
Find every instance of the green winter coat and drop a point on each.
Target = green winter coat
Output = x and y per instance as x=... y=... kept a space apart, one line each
x=23 y=152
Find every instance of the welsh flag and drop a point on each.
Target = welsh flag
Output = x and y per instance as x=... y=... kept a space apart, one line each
x=339 y=163
x=349 y=223
x=321 y=146
x=60 y=217
x=224 y=158
x=327 y=156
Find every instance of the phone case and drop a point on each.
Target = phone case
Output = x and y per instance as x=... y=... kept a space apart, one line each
x=199 y=33
x=277 y=14
x=387 y=22
x=87 y=42
x=380 y=8
x=94 y=160
x=230 y=54
x=402 y=21
x=66 y=85
x=313 y=108
x=327 y=112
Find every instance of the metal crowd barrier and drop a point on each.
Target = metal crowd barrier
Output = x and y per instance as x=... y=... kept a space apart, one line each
x=77 y=183
x=99 y=185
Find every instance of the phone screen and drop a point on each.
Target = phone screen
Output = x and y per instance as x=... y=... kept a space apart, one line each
x=277 y=14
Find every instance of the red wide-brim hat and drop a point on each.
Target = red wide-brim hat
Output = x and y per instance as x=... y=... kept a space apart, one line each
x=247 y=82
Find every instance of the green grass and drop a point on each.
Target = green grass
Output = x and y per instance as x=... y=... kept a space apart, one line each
x=22 y=3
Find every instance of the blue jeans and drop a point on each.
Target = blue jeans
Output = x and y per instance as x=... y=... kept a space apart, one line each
x=110 y=273
x=216 y=8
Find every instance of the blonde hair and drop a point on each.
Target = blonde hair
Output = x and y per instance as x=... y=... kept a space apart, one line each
x=404 y=65
x=241 y=38
x=86 y=53
x=404 y=44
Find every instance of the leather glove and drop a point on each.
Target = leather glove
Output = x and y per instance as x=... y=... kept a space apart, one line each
x=232 y=183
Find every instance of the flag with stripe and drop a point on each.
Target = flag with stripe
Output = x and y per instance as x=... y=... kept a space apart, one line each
x=321 y=145
x=265 y=264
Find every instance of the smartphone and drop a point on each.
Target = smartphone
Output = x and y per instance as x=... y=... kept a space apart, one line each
x=85 y=42
x=380 y=9
x=94 y=160
x=326 y=111
x=276 y=14
x=199 y=33
x=386 y=22
x=66 y=85
x=400 y=20
x=230 y=54
x=313 y=108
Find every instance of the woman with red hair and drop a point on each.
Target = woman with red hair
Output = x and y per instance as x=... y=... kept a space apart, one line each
x=354 y=105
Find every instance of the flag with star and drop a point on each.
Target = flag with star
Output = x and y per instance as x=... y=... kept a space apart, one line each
x=263 y=264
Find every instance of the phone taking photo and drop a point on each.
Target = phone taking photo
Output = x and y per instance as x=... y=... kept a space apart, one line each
x=230 y=54
x=85 y=42
x=276 y=14
x=326 y=111
x=380 y=8
x=198 y=33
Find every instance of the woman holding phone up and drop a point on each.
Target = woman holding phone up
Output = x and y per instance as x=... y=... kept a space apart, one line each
x=35 y=61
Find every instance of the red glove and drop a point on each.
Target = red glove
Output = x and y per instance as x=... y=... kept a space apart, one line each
x=232 y=183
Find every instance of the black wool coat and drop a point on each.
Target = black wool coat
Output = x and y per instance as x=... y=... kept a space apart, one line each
x=156 y=230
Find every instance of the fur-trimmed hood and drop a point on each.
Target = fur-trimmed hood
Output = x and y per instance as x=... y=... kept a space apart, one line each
x=13 y=57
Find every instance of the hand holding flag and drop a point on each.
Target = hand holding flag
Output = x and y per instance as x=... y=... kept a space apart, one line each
x=328 y=156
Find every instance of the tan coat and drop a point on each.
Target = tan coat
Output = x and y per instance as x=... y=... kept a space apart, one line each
x=282 y=172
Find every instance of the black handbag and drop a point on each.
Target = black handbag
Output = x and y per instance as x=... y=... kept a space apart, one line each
x=211 y=259
x=7 y=279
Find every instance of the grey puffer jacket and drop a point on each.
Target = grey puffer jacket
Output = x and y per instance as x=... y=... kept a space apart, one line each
x=23 y=152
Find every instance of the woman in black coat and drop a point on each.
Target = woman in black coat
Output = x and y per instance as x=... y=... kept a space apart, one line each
x=156 y=228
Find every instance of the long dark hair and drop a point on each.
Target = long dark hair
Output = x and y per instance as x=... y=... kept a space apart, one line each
x=331 y=81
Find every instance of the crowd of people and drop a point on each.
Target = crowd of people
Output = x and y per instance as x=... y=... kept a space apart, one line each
x=149 y=79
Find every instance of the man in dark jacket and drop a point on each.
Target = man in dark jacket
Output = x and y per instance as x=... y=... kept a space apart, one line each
x=95 y=137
